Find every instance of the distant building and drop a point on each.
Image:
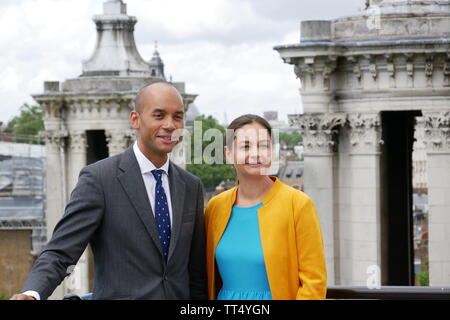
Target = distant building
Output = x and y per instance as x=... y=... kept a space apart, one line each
x=22 y=211
x=368 y=81
x=271 y=115
x=272 y=118
x=291 y=173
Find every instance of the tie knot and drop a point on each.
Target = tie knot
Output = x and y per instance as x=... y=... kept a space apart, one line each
x=157 y=173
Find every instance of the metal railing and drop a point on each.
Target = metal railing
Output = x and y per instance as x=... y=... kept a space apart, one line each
x=362 y=293
x=388 y=293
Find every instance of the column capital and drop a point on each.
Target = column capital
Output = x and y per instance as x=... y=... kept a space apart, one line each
x=319 y=131
x=78 y=141
x=54 y=137
x=365 y=133
x=437 y=132
x=118 y=140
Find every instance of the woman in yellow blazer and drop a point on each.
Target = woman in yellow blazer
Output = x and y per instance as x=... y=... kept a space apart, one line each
x=263 y=236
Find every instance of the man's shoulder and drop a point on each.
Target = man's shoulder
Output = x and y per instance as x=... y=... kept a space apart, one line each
x=186 y=175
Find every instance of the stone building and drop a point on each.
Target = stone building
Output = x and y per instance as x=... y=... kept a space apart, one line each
x=365 y=79
x=22 y=205
x=87 y=117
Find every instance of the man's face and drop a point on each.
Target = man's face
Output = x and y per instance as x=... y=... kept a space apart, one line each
x=161 y=113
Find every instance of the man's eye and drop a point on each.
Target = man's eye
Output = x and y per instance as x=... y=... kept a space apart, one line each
x=157 y=115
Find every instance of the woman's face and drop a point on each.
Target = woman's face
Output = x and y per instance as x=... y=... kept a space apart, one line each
x=251 y=152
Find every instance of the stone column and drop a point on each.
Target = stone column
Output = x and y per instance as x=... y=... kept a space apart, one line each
x=118 y=140
x=359 y=200
x=319 y=140
x=55 y=197
x=437 y=139
x=55 y=185
x=78 y=282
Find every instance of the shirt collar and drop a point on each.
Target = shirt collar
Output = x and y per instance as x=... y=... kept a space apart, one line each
x=145 y=164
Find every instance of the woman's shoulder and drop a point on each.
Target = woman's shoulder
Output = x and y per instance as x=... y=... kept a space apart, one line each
x=219 y=198
x=286 y=191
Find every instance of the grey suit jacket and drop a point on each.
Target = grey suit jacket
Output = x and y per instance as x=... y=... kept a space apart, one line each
x=109 y=208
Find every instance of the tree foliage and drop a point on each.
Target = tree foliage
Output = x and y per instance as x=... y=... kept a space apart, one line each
x=291 y=139
x=26 y=126
x=210 y=174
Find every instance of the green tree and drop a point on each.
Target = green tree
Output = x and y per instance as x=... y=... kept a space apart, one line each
x=26 y=126
x=210 y=174
x=291 y=139
x=424 y=276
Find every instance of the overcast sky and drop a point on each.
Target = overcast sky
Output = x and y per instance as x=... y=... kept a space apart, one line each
x=222 y=49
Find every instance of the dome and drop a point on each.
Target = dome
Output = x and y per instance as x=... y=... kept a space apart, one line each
x=191 y=114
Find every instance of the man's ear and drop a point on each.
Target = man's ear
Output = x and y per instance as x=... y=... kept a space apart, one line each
x=134 y=120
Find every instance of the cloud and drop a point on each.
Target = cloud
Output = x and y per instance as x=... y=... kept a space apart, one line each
x=222 y=49
x=219 y=21
x=41 y=40
x=236 y=79
x=296 y=10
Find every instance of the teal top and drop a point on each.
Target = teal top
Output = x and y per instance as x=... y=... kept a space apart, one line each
x=240 y=258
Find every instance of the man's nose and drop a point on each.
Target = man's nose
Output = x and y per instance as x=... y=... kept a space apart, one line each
x=169 y=124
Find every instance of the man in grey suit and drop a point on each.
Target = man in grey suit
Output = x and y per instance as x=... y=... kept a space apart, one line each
x=141 y=214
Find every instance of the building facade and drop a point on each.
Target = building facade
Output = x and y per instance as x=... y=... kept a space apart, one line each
x=367 y=81
x=22 y=206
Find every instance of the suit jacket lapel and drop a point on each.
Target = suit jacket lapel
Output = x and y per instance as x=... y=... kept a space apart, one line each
x=177 y=194
x=132 y=182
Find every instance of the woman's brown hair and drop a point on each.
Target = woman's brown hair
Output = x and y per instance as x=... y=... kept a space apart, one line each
x=241 y=121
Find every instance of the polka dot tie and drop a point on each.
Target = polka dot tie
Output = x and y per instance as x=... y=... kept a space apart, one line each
x=162 y=213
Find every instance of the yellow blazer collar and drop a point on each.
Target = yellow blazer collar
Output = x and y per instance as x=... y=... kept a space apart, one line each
x=229 y=202
x=267 y=197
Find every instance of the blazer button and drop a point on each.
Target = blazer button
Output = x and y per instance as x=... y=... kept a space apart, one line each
x=165 y=278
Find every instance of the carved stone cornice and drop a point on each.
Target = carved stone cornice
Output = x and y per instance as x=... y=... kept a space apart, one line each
x=429 y=67
x=78 y=141
x=316 y=69
x=406 y=69
x=52 y=108
x=446 y=70
x=437 y=132
x=113 y=107
x=365 y=133
x=319 y=131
